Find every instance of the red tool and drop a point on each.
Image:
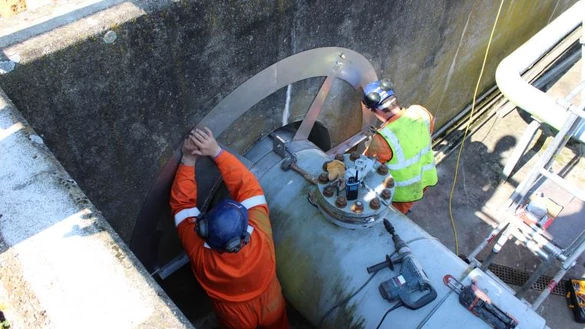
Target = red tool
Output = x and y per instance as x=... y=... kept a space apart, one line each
x=478 y=303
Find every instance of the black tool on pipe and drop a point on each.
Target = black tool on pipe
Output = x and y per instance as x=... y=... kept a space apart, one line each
x=412 y=286
x=387 y=263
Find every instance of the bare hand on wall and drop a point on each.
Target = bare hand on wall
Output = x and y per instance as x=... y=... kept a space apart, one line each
x=189 y=157
x=205 y=142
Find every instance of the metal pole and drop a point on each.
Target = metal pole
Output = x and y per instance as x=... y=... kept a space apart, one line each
x=498 y=246
x=567 y=264
x=521 y=93
x=488 y=239
x=542 y=268
x=551 y=286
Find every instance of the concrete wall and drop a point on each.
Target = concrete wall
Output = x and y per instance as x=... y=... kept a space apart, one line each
x=63 y=266
x=113 y=113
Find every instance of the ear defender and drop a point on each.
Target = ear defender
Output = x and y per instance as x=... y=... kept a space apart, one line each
x=201 y=227
x=372 y=100
x=386 y=84
x=234 y=245
x=375 y=93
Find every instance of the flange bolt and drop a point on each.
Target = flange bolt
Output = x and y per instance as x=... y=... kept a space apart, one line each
x=341 y=202
x=328 y=191
x=375 y=203
x=323 y=178
x=382 y=170
x=357 y=207
x=388 y=182
x=354 y=156
x=386 y=194
x=339 y=156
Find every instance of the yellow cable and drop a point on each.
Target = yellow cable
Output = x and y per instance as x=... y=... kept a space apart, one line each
x=467 y=128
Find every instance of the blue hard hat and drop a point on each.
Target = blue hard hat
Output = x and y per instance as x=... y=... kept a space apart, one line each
x=375 y=93
x=225 y=226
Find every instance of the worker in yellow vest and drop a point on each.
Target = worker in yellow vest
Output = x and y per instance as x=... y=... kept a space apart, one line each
x=403 y=143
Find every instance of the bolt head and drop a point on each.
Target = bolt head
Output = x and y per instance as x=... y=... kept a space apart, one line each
x=329 y=191
x=388 y=182
x=386 y=194
x=357 y=207
x=341 y=202
x=382 y=170
x=375 y=203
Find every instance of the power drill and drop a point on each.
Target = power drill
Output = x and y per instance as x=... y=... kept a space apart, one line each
x=412 y=286
x=478 y=303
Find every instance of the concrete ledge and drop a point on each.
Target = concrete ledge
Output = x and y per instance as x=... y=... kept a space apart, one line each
x=62 y=264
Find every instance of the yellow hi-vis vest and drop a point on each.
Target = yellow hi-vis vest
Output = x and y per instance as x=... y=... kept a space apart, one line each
x=412 y=164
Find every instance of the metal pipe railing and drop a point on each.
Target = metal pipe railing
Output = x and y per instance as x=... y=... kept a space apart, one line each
x=519 y=91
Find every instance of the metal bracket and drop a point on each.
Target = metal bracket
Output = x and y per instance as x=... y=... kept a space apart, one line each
x=278 y=145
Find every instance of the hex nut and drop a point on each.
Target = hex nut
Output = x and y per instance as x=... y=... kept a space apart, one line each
x=375 y=203
x=357 y=207
x=388 y=182
x=354 y=156
x=341 y=202
x=329 y=191
x=386 y=194
x=382 y=170
x=339 y=156
x=323 y=178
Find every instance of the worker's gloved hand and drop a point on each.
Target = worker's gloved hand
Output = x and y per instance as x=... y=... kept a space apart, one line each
x=335 y=169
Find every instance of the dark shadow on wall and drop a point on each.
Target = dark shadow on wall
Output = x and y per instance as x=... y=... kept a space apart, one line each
x=114 y=113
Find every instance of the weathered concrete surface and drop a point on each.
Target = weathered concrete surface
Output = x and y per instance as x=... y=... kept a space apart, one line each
x=113 y=112
x=63 y=266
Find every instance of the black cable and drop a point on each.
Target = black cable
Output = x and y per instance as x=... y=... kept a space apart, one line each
x=397 y=305
x=365 y=284
x=346 y=299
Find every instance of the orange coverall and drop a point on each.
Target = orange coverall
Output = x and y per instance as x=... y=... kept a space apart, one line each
x=379 y=147
x=243 y=286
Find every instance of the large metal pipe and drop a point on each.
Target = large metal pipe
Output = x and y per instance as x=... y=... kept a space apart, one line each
x=322 y=266
x=519 y=91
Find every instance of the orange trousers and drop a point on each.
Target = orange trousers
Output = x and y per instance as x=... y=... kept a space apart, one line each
x=403 y=207
x=266 y=311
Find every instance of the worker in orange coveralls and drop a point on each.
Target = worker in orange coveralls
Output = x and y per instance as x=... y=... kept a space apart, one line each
x=403 y=143
x=231 y=247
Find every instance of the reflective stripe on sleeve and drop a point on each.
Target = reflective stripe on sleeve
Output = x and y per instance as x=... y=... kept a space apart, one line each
x=254 y=201
x=186 y=213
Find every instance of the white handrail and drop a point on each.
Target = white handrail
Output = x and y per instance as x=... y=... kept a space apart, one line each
x=519 y=91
